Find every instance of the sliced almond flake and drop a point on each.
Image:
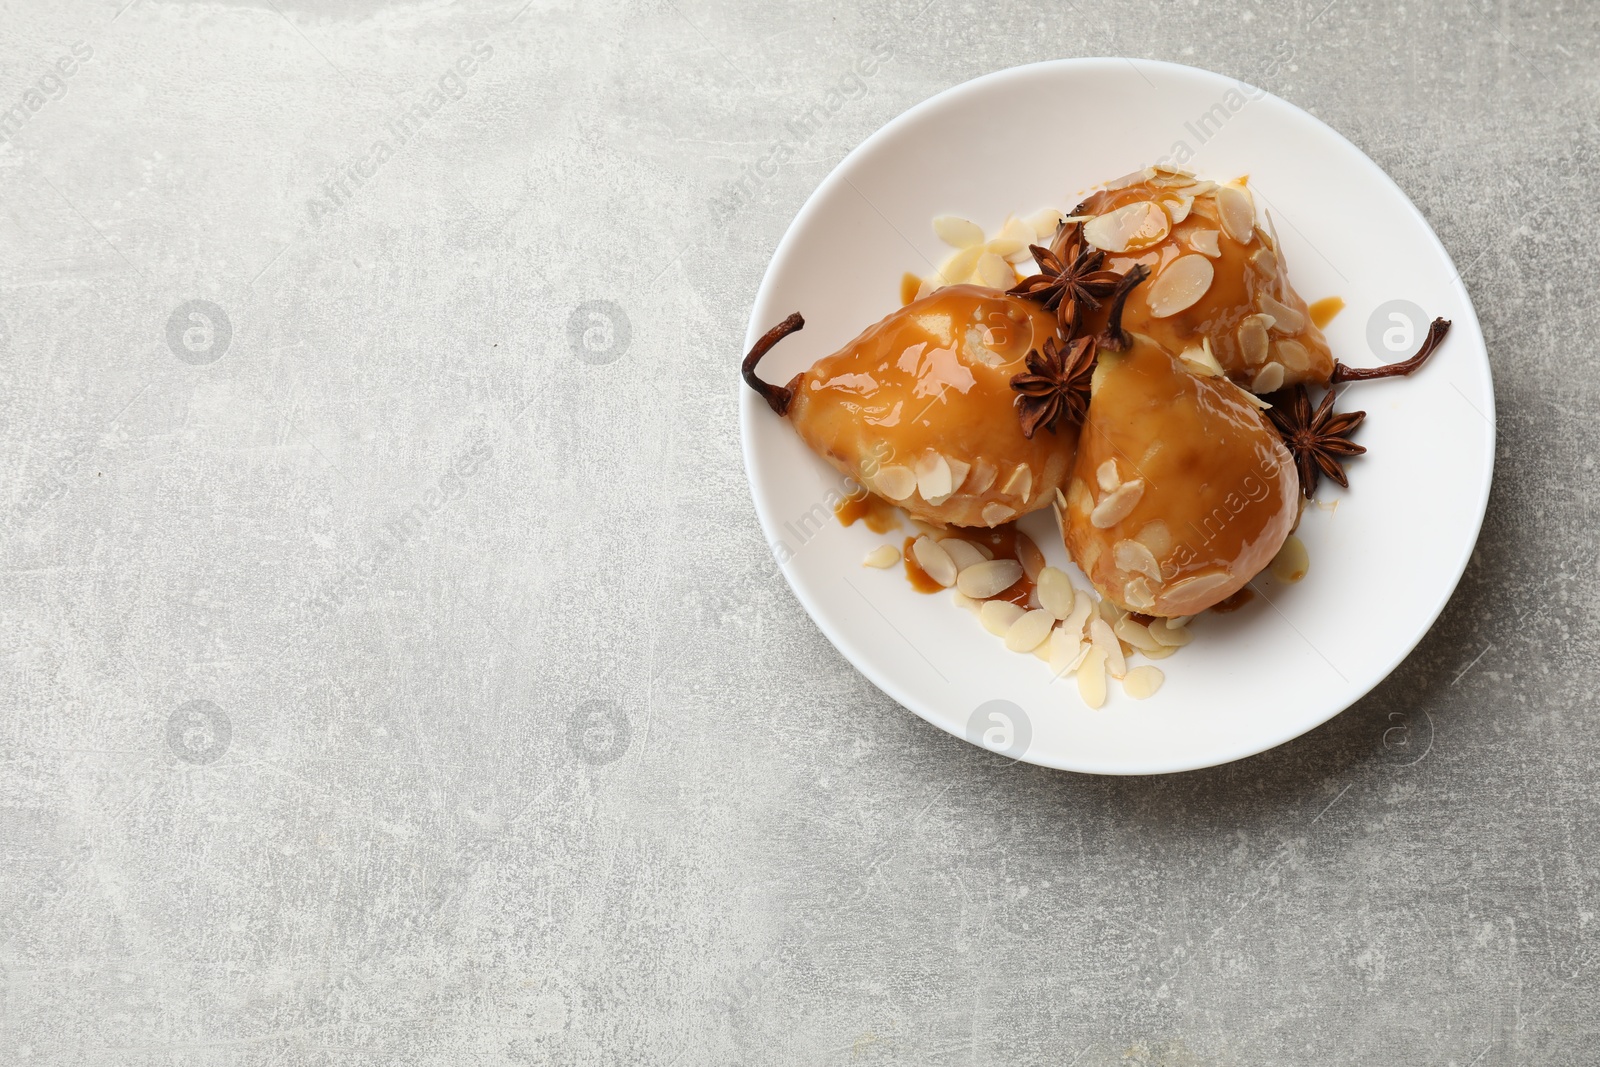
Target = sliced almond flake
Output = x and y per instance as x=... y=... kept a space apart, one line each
x=929 y=286
x=1156 y=537
x=1030 y=557
x=881 y=557
x=1117 y=504
x=1253 y=340
x=933 y=476
x=1020 y=483
x=1160 y=653
x=981 y=478
x=1269 y=380
x=1238 y=212
x=998 y=616
x=1205 y=242
x=1105 y=640
x=983 y=549
x=989 y=578
x=963 y=553
x=1131 y=227
x=1135 y=635
x=1265 y=260
x=958 y=232
x=1142 y=682
x=1092 y=678
x=932 y=558
x=958 y=472
x=1292 y=561
x=1042 y=653
x=1201 y=362
x=1044 y=224
x=1288 y=320
x=1083 y=606
x=1056 y=594
x=1165 y=633
x=1108 y=610
x=993 y=271
x=957 y=269
x=1180 y=286
x=1293 y=355
x=1198 y=587
x=1066 y=651
x=1179 y=621
x=1249 y=397
x=1178 y=210
x=1106 y=474
x=962 y=600
x=1132 y=557
x=895 y=483
x=1061 y=519
x=995 y=514
x=1144 y=174
x=1136 y=591
x=1013 y=239
x=1030 y=631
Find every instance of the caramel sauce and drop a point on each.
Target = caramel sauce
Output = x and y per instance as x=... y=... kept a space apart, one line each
x=1323 y=311
x=910 y=285
x=1242 y=275
x=1219 y=494
x=1234 y=602
x=919 y=579
x=879 y=515
x=935 y=377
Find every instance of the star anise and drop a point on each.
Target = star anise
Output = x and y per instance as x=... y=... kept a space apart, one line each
x=1056 y=385
x=1318 y=440
x=1071 y=279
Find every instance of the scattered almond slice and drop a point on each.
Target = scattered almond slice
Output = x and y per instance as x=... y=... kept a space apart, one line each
x=933 y=559
x=1134 y=634
x=994 y=272
x=1030 y=631
x=964 y=553
x=1082 y=607
x=1292 y=561
x=1161 y=653
x=1106 y=474
x=995 y=514
x=1117 y=504
x=1136 y=591
x=1056 y=594
x=1044 y=224
x=1205 y=242
x=981 y=478
x=1020 y=483
x=1104 y=639
x=1253 y=339
x=989 y=578
x=1029 y=556
x=958 y=267
x=1066 y=651
x=958 y=232
x=1133 y=556
x=933 y=477
x=1285 y=318
x=1142 y=682
x=882 y=557
x=998 y=616
x=1169 y=634
x=1092 y=678
x=1013 y=239
x=962 y=600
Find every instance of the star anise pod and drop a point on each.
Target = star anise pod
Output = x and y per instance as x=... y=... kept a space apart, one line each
x=1318 y=440
x=1071 y=279
x=1056 y=385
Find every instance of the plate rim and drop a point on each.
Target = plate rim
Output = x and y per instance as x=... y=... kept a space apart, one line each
x=749 y=407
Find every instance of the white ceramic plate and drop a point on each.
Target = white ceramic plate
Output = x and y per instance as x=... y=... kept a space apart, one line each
x=1383 y=563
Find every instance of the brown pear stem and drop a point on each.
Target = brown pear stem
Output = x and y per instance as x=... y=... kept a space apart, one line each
x=1436 y=333
x=1112 y=338
x=777 y=397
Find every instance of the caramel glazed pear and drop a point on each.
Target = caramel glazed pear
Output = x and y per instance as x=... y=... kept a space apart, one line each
x=1187 y=480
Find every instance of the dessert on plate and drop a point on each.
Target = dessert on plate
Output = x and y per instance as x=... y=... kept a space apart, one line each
x=1141 y=366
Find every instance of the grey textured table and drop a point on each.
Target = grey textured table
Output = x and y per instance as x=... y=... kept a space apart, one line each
x=394 y=671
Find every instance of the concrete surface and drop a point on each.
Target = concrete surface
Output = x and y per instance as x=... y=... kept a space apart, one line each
x=394 y=672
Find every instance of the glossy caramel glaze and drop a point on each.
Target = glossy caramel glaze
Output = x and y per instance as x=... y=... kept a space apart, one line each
x=1248 y=279
x=920 y=409
x=1212 y=490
